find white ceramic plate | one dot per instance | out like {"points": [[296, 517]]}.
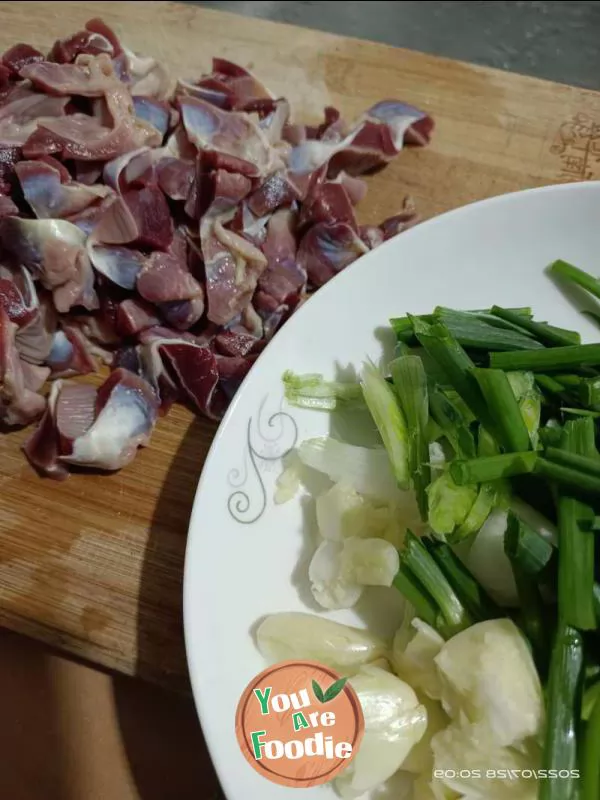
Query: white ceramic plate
{"points": [[246, 557]]}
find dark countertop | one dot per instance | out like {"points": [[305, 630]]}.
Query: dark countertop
{"points": [[554, 40]]}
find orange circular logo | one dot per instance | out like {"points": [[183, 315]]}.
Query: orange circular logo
{"points": [[299, 723]]}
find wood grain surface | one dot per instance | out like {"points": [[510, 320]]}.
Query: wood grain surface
{"points": [[94, 565]]}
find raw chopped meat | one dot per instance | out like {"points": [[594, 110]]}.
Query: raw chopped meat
{"points": [[20, 403], [229, 132], [164, 231], [18, 56], [95, 39], [124, 416], [49, 196], [94, 428], [54, 252], [327, 248], [121, 265], [70, 353]]}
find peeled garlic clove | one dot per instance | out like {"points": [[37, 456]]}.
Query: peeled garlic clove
{"points": [[489, 678], [462, 756], [413, 657], [294, 635], [394, 722], [420, 759], [333, 508], [369, 562], [330, 588]]}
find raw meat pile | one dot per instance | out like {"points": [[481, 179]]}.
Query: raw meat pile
{"points": [[166, 232]]}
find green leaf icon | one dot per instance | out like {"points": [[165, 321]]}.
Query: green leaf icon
{"points": [[318, 692], [334, 690]]}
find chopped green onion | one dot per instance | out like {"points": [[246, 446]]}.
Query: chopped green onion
{"points": [[313, 391], [572, 274], [456, 364], [403, 326], [452, 422], [417, 596], [385, 409], [410, 382], [525, 547], [421, 564], [576, 546], [580, 412], [485, 502], [548, 359], [473, 333], [449, 504], [511, 430], [549, 384], [532, 615], [472, 595], [492, 468], [582, 463], [544, 333], [589, 393], [590, 757], [590, 697], [597, 602], [529, 399], [580, 483], [563, 713]]}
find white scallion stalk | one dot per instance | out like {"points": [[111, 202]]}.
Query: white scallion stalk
{"points": [[366, 469], [387, 414]]}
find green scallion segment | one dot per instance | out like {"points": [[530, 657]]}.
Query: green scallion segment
{"points": [[532, 615], [493, 468], [456, 364], [415, 558], [526, 547], [549, 359], [576, 545], [544, 333], [485, 502], [511, 430], [580, 483], [590, 466], [563, 714], [473, 333], [562, 269], [410, 382], [416, 594], [477, 602], [403, 326], [452, 422]]}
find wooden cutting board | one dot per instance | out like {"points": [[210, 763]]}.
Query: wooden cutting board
{"points": [[94, 565]]}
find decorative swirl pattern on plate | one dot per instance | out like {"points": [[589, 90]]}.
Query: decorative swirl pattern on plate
{"points": [[267, 440]]}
